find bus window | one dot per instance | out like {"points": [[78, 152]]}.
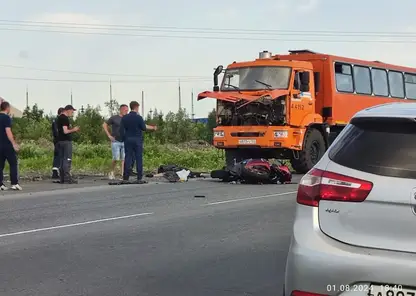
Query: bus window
{"points": [[343, 77], [410, 85], [380, 82], [396, 84], [362, 80]]}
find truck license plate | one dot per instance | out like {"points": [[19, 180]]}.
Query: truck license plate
{"points": [[377, 290], [246, 142]]}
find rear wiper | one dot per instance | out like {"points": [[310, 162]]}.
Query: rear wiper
{"points": [[264, 83], [233, 86]]}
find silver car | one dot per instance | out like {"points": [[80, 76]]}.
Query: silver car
{"points": [[355, 224]]}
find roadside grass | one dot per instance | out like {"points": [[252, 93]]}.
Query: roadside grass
{"points": [[35, 157]]}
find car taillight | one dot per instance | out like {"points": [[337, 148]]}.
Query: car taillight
{"points": [[302, 293], [322, 185]]}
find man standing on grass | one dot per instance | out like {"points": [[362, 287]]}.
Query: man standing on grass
{"points": [[56, 161], [8, 148], [65, 144], [131, 131], [117, 145]]}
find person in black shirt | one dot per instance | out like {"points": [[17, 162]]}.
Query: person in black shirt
{"points": [[8, 148], [56, 161], [65, 144]]}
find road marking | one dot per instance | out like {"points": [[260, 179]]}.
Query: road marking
{"points": [[73, 225], [248, 198]]}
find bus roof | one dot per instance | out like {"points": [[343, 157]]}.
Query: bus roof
{"points": [[307, 55]]}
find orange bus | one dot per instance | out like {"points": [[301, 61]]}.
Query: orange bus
{"points": [[293, 106]]}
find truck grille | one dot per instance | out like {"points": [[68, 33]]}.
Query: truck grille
{"points": [[248, 134]]}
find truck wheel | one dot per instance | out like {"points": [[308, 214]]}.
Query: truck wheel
{"points": [[313, 149]]}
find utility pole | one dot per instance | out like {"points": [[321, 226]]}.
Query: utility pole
{"points": [[72, 99], [111, 94], [180, 98], [27, 97], [142, 102], [111, 98], [192, 105]]}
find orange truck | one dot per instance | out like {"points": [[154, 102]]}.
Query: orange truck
{"points": [[293, 106]]}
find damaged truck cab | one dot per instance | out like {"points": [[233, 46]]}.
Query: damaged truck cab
{"points": [[286, 106]]}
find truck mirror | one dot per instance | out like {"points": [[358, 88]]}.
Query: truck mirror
{"points": [[217, 72]]}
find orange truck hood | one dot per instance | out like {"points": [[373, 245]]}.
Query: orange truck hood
{"points": [[234, 96]]}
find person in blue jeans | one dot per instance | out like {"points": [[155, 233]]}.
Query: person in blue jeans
{"points": [[8, 148], [117, 145], [131, 131]]}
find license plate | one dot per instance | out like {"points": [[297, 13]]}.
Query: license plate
{"points": [[247, 142], [280, 134], [392, 290]]}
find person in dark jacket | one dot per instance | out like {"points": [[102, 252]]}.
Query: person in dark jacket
{"points": [[8, 148], [56, 161], [131, 130]]}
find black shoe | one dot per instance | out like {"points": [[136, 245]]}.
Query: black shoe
{"points": [[55, 175], [132, 173]]}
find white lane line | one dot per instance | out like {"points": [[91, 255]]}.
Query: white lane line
{"points": [[73, 225], [248, 198]]}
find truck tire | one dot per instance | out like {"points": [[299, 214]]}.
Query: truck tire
{"points": [[313, 149]]}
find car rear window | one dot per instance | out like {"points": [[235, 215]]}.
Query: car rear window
{"points": [[381, 146]]}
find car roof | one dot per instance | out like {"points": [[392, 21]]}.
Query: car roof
{"points": [[397, 110]]}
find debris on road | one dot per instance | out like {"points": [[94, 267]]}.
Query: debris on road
{"points": [[174, 173], [124, 182], [255, 171], [199, 196]]}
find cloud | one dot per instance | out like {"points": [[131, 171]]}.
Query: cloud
{"points": [[71, 22], [23, 54], [76, 18], [307, 5], [399, 53], [300, 6]]}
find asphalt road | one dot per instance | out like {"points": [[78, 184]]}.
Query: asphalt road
{"points": [[146, 240]]}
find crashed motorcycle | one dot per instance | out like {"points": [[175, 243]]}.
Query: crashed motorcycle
{"points": [[255, 171]]}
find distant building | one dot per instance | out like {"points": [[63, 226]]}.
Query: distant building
{"points": [[14, 112], [200, 120]]}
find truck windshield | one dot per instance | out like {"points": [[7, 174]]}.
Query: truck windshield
{"points": [[248, 78]]}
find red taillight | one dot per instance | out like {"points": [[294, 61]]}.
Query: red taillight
{"points": [[322, 185]]}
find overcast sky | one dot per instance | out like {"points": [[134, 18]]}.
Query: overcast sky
{"points": [[124, 50]]}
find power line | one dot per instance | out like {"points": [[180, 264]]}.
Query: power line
{"points": [[212, 37], [217, 31], [103, 74], [121, 26], [97, 81]]}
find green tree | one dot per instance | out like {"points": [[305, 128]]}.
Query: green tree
{"points": [[112, 106], [90, 123]]}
